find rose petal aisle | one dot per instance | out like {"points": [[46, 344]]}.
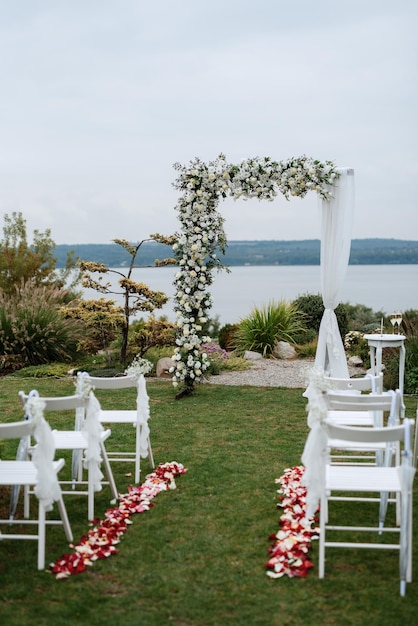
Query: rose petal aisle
{"points": [[289, 553], [100, 541]]}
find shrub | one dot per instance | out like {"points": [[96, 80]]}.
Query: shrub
{"points": [[235, 364], [264, 327], [313, 308], [307, 350], [308, 336], [221, 360], [49, 370], [153, 333], [32, 330], [362, 318], [102, 321], [226, 337], [356, 345], [411, 381], [410, 329]]}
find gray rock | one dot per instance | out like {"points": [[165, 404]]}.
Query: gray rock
{"points": [[355, 361], [283, 350], [252, 356], [163, 367]]}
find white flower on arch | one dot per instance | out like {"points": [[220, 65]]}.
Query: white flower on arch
{"points": [[203, 238]]}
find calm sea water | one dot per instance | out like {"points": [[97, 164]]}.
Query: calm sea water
{"points": [[381, 287]]}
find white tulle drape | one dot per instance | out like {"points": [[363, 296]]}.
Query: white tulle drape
{"points": [[91, 425], [143, 413], [93, 428], [314, 455], [337, 219], [47, 488]]}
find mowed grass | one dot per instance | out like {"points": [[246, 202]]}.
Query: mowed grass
{"points": [[197, 557]]}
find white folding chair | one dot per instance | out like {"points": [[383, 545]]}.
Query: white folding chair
{"points": [[89, 439], [137, 417], [366, 384], [365, 478], [39, 474], [372, 453], [352, 415], [343, 409]]}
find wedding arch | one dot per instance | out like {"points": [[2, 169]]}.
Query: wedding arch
{"points": [[202, 240]]}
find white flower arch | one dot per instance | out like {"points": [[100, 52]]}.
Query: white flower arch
{"points": [[203, 185]]}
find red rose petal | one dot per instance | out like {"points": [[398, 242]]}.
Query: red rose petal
{"points": [[291, 544], [100, 540]]}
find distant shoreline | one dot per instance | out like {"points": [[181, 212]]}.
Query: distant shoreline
{"points": [[252, 253]]}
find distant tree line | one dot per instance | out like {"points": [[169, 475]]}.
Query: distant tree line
{"points": [[305, 252]]}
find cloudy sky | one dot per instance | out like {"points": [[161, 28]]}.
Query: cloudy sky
{"points": [[99, 98]]}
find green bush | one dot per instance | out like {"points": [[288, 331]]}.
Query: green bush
{"points": [[362, 318], [410, 329], [49, 370], [144, 335], [307, 350], [32, 329], [313, 308], [411, 381], [226, 337], [264, 327]]}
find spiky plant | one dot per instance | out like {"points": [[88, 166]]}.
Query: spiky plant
{"points": [[265, 326]]}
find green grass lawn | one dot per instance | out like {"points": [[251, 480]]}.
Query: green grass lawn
{"points": [[197, 557]]}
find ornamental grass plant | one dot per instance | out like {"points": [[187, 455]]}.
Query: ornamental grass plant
{"points": [[198, 556], [265, 326], [32, 330]]}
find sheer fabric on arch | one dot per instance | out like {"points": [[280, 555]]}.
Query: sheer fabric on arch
{"points": [[337, 219]]}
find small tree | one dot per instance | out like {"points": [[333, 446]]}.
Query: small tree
{"points": [[21, 261], [136, 296]]}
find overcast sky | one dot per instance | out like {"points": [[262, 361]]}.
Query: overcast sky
{"points": [[99, 98]]}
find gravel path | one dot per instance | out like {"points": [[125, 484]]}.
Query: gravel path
{"points": [[272, 373]]}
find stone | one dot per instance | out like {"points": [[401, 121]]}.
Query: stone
{"points": [[163, 367], [283, 350], [355, 361], [252, 356]]}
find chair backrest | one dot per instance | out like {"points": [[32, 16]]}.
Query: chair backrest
{"points": [[386, 401], [116, 382], [16, 430], [400, 432], [370, 382], [59, 403]]}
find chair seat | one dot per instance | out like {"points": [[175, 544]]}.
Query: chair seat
{"points": [[74, 439], [22, 472], [357, 478], [118, 417]]}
